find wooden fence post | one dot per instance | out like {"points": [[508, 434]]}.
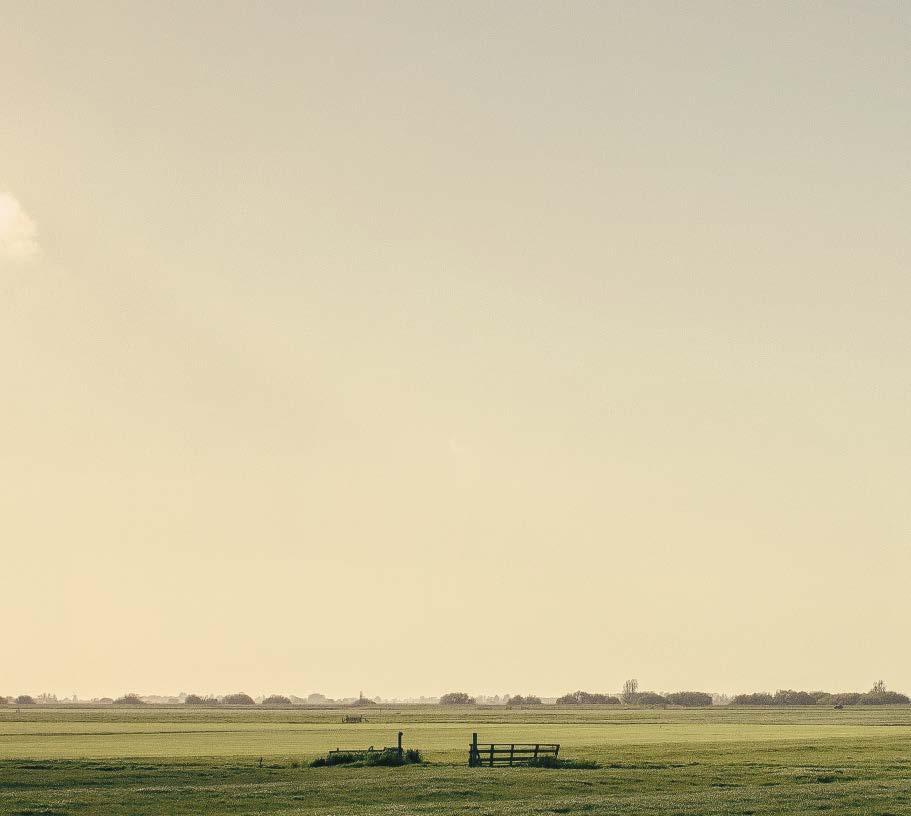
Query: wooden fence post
{"points": [[400, 748], [473, 758]]}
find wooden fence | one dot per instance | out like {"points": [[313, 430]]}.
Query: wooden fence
{"points": [[493, 754]]}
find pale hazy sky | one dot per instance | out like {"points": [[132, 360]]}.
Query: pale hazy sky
{"points": [[412, 347]]}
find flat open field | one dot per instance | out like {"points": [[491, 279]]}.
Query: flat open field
{"points": [[705, 761]]}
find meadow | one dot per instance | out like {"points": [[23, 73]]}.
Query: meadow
{"points": [[162, 760]]}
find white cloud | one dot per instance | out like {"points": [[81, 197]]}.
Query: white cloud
{"points": [[18, 232]]}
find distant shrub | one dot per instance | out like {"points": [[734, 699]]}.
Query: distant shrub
{"points": [[342, 759], [587, 698], [650, 698], [276, 699], [456, 698], [25, 699], [195, 699], [238, 698], [758, 698], [391, 757], [789, 697], [690, 698], [519, 700], [388, 757], [364, 701], [129, 699], [883, 698]]}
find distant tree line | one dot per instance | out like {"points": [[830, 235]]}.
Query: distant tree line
{"points": [[238, 698], [587, 698], [693, 699], [242, 698], [878, 695], [630, 695], [641, 698]]}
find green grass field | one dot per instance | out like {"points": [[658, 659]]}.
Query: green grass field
{"points": [[681, 762]]}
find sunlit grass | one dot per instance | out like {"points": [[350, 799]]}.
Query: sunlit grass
{"points": [[254, 762]]}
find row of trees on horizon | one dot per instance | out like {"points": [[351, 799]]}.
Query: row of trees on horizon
{"points": [[239, 698], [630, 695]]}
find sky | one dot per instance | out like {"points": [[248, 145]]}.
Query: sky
{"points": [[415, 347]]}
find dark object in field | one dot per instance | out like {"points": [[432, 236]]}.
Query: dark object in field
{"points": [[493, 754], [557, 762], [838, 706], [354, 718], [370, 756]]}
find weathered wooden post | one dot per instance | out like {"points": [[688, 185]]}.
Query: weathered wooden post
{"points": [[473, 758], [401, 756]]}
